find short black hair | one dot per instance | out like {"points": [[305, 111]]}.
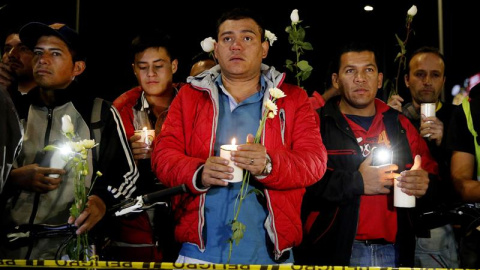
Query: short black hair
{"points": [[239, 14], [355, 46], [427, 49], [153, 38]]}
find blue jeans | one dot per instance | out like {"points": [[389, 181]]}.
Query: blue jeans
{"points": [[377, 255], [438, 251]]}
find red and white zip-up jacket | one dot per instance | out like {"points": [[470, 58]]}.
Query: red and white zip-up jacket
{"points": [[292, 140]]}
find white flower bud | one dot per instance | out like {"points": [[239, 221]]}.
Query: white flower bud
{"points": [[276, 93], [271, 115], [294, 16], [67, 126], [271, 37], [208, 44], [412, 11], [271, 106], [88, 144]]}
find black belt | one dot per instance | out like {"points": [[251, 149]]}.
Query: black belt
{"points": [[373, 242]]}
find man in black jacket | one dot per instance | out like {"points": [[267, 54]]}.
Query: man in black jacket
{"points": [[425, 77], [349, 217]]}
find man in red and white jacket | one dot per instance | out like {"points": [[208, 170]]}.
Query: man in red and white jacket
{"points": [[289, 157]]}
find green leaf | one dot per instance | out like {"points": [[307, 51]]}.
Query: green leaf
{"points": [[307, 46], [290, 40], [79, 167], [238, 230], [305, 75], [399, 41], [301, 33], [257, 192], [74, 211], [288, 29], [50, 148], [398, 57], [304, 66]]}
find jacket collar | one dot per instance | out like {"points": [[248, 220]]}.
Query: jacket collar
{"points": [[72, 93], [206, 80]]}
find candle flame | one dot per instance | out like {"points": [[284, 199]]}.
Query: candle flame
{"points": [[144, 128], [234, 141]]}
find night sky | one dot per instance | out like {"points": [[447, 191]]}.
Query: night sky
{"points": [[332, 23]]}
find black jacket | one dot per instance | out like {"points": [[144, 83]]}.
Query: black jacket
{"points": [[334, 201]]}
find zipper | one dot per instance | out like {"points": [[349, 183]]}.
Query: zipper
{"points": [[36, 200], [49, 126]]}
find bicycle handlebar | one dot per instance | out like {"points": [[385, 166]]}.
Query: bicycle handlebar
{"points": [[157, 195], [146, 201]]}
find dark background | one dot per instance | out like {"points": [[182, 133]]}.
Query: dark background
{"points": [[109, 26]]}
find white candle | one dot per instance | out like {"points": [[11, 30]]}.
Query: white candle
{"points": [[225, 152], [400, 198]]}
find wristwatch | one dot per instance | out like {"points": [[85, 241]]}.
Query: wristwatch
{"points": [[268, 166]]}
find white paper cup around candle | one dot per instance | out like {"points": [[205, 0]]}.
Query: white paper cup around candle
{"points": [[225, 151], [427, 110], [400, 198], [147, 136]]}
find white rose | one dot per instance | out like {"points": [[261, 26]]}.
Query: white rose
{"points": [[271, 37], [294, 16], [412, 11], [272, 107], [276, 93], [208, 44], [67, 126], [88, 144]]}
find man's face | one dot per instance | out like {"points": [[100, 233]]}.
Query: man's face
{"points": [[240, 48], [358, 80], [426, 78], [53, 67], [18, 56], [154, 70]]}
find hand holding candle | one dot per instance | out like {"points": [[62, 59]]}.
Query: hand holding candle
{"points": [[225, 152], [400, 198], [416, 176]]}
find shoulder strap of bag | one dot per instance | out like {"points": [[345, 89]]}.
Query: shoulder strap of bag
{"points": [[97, 125], [469, 116]]}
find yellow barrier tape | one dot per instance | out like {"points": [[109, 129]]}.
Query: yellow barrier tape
{"points": [[168, 265]]}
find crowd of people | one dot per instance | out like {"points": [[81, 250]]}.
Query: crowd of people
{"points": [[313, 195]]}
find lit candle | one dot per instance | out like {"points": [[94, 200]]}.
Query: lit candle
{"points": [[146, 135], [225, 152]]}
